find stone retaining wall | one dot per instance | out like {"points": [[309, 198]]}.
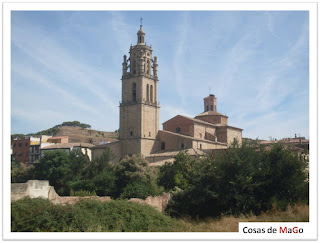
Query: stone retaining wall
{"points": [[34, 188]]}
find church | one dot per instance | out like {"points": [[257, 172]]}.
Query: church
{"points": [[139, 117]]}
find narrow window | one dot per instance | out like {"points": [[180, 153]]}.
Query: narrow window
{"points": [[14, 145], [134, 67], [207, 108], [211, 107], [200, 135], [140, 39], [131, 133], [200, 146], [134, 92], [182, 145], [151, 93], [147, 92], [149, 134]]}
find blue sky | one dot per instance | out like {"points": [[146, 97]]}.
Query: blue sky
{"points": [[67, 66]]}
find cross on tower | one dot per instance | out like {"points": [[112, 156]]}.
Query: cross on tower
{"points": [[141, 20]]}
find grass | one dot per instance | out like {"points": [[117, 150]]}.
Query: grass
{"points": [[297, 213], [30, 215]]}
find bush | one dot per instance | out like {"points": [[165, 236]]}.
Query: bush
{"points": [[135, 179], [34, 215], [39, 215], [236, 181], [82, 193], [137, 189]]}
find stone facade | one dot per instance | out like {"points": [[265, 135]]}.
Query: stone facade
{"points": [[139, 109], [139, 116]]}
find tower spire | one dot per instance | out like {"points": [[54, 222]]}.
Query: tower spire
{"points": [[141, 34]]}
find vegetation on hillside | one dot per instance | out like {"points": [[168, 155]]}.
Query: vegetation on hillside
{"points": [[54, 130]]}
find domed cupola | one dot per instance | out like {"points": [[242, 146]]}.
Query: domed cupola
{"points": [[141, 36]]}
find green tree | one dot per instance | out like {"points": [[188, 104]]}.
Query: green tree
{"points": [[54, 167], [135, 178], [237, 181]]}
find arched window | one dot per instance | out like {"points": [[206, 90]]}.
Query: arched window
{"points": [[211, 107], [178, 129], [151, 93], [140, 38], [207, 108], [147, 92], [134, 92], [182, 145], [200, 146]]}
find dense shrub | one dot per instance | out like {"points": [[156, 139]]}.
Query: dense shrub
{"points": [[35, 215], [136, 179], [29, 215], [20, 172], [75, 173], [236, 181], [54, 167]]}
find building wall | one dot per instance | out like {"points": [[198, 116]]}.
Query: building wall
{"points": [[88, 152], [20, 150], [34, 153], [173, 142], [222, 134], [224, 120], [130, 121], [206, 146], [115, 149], [214, 119], [32, 188], [130, 147], [204, 131], [185, 125], [233, 134], [150, 121], [149, 146], [64, 139]]}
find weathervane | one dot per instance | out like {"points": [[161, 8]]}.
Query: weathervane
{"points": [[141, 21]]}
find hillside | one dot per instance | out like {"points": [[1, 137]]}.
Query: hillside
{"points": [[83, 135]]}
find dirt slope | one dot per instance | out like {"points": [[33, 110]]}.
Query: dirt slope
{"points": [[81, 135]]}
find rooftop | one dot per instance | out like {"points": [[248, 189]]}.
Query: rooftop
{"points": [[68, 146]]}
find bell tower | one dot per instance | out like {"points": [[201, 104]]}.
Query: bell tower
{"points": [[139, 106]]}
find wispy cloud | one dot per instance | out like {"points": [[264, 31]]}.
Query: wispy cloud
{"points": [[44, 50], [256, 63], [179, 55]]}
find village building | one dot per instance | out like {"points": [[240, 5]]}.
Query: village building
{"points": [[139, 116], [68, 147]]}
